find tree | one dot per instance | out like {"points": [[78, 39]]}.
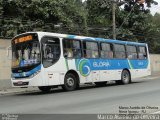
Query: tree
{"points": [[134, 17], [133, 21], [43, 15], [99, 17], [156, 19], [1, 15], [153, 34]]}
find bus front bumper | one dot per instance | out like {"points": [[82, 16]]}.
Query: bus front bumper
{"points": [[26, 82]]}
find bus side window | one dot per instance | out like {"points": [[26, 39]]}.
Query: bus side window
{"points": [[90, 49], [119, 51], [69, 52], [106, 50], [67, 48], [131, 52], [72, 48], [142, 52], [87, 53]]}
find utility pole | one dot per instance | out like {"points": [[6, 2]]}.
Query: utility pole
{"points": [[114, 19]]}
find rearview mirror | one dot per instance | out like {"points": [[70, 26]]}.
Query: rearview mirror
{"points": [[9, 53]]}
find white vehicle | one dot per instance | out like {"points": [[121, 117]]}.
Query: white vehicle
{"points": [[47, 60]]}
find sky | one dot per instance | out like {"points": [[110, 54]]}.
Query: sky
{"points": [[154, 8]]}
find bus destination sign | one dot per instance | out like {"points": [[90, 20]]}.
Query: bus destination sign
{"points": [[23, 39]]}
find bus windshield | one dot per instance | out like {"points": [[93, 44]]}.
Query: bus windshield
{"points": [[25, 51]]}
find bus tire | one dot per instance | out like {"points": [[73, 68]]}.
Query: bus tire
{"points": [[101, 83], [70, 82], [125, 78], [45, 89]]}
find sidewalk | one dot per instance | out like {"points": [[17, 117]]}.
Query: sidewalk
{"points": [[10, 90], [155, 74], [18, 90]]}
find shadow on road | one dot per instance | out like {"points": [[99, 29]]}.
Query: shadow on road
{"points": [[83, 87]]}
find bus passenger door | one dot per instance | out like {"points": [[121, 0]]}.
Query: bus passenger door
{"points": [[51, 59]]}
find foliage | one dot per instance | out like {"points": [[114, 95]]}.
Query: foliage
{"points": [[99, 17], [92, 18], [133, 21], [30, 15], [153, 33]]}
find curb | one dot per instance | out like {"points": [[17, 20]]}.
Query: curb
{"points": [[17, 91]]}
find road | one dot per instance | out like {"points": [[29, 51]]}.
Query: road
{"points": [[143, 92]]}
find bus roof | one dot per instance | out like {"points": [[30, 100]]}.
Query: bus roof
{"points": [[69, 36]]}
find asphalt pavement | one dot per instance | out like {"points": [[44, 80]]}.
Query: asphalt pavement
{"points": [[141, 96]]}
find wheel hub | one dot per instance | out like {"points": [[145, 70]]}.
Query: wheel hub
{"points": [[125, 78], [70, 82]]}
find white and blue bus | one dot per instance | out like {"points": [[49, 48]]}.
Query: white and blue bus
{"points": [[47, 60]]}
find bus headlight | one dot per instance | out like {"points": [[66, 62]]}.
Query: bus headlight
{"points": [[24, 76]]}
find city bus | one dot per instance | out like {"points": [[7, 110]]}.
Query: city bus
{"points": [[49, 60]]}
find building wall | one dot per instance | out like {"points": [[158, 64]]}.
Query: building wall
{"points": [[155, 62], [5, 63]]}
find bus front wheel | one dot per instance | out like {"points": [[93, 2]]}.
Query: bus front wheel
{"points": [[70, 82], [45, 88]]}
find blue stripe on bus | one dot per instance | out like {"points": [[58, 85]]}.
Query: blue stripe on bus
{"points": [[71, 36], [85, 66], [102, 64], [26, 74]]}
